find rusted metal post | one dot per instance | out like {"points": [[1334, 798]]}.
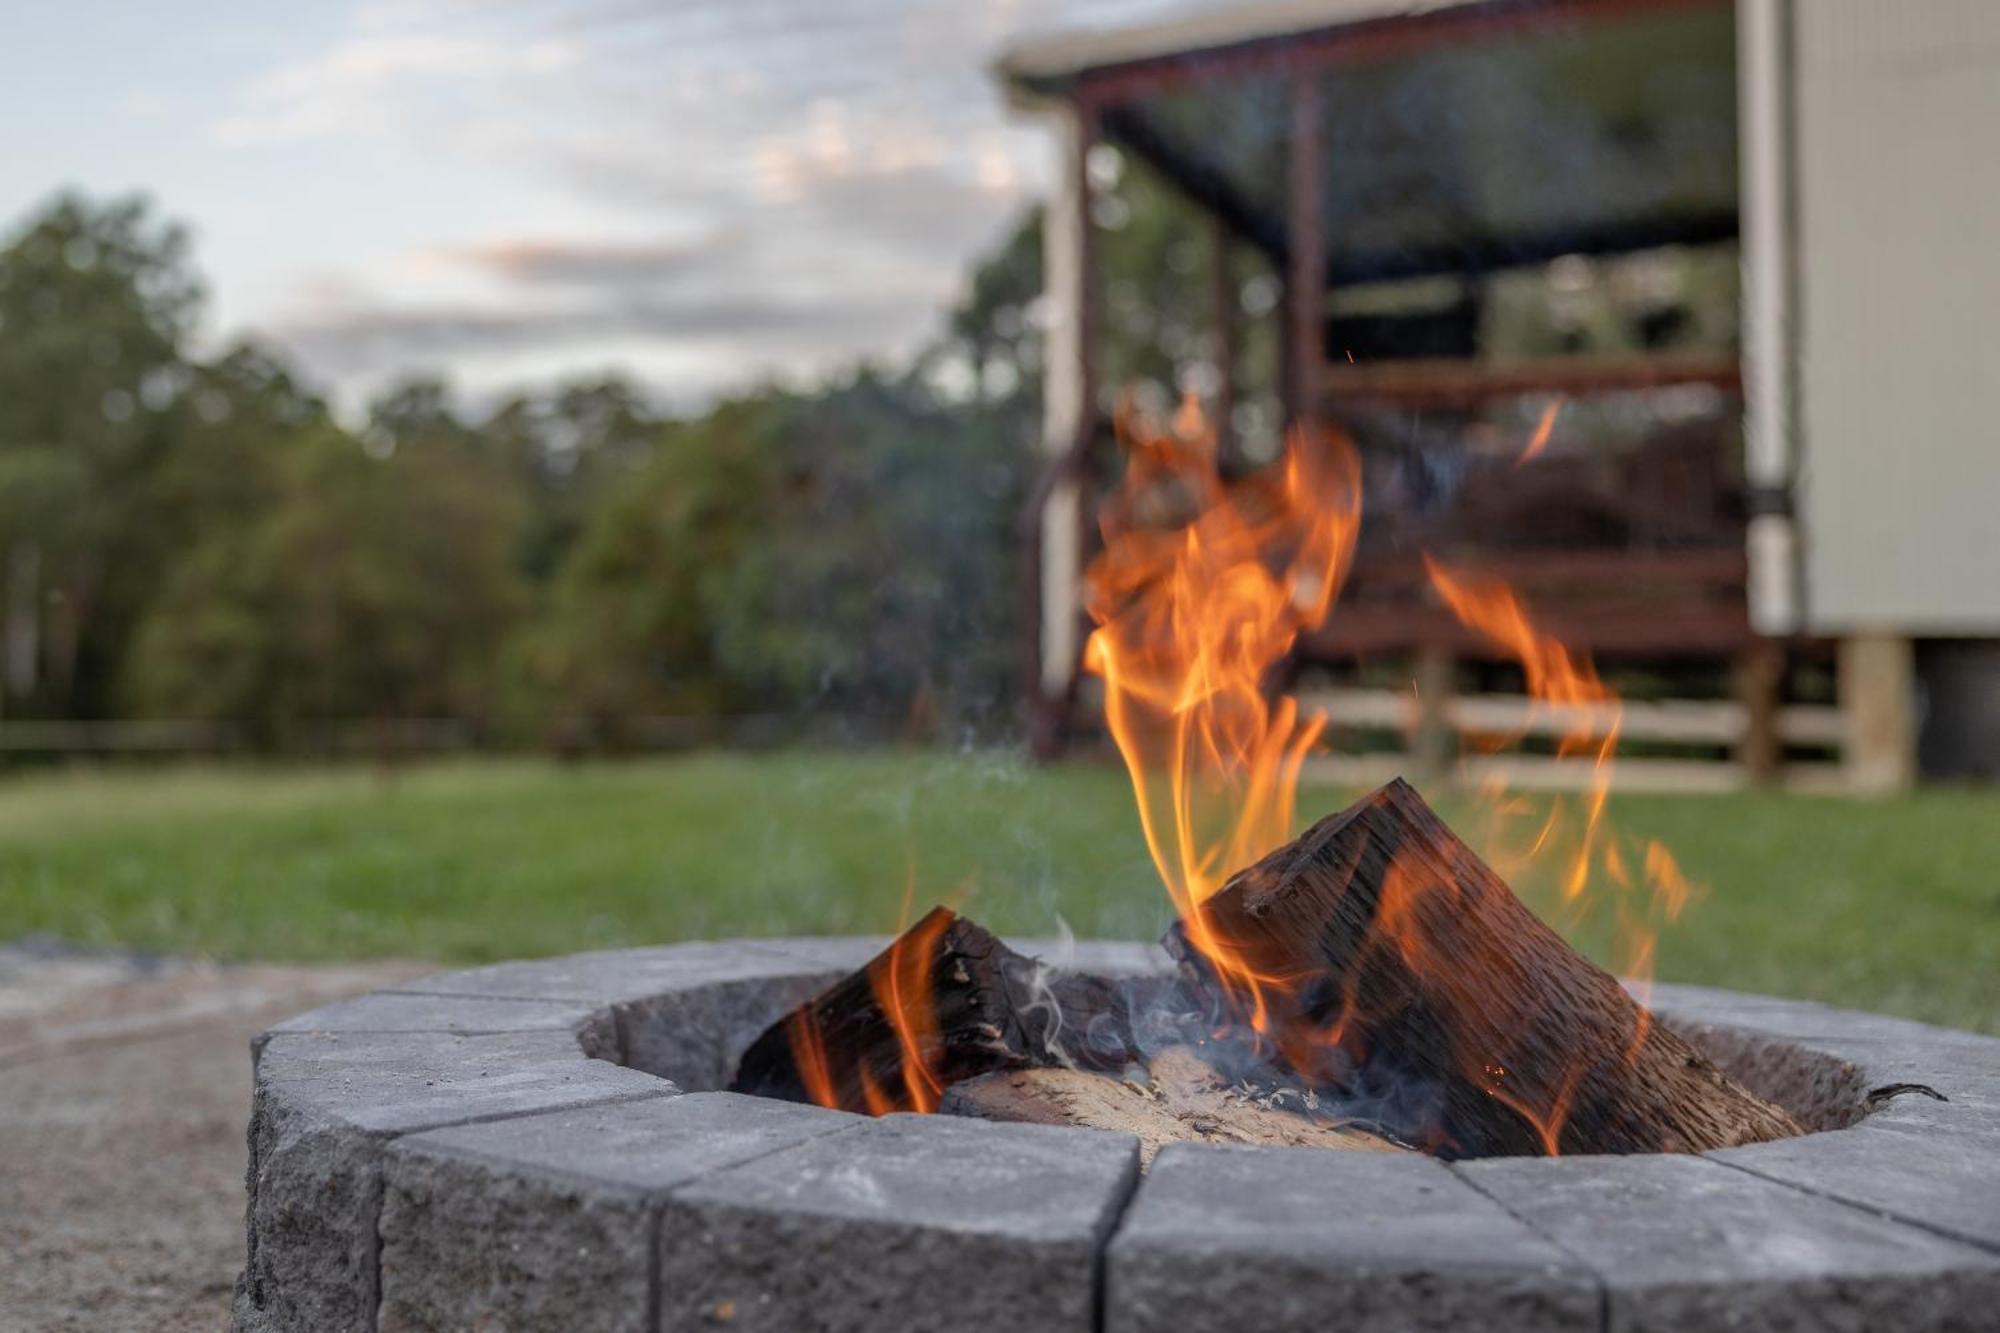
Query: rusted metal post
{"points": [[1305, 278]]}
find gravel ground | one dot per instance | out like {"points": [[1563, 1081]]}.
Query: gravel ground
{"points": [[124, 1092]]}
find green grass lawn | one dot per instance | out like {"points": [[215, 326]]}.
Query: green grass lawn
{"points": [[1891, 905]]}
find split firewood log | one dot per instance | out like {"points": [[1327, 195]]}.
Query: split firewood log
{"points": [[1392, 966], [945, 1002], [1179, 1100]]}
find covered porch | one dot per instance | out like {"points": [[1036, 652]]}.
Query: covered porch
{"points": [[1506, 238]]}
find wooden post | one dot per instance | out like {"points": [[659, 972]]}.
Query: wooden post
{"points": [[1068, 413], [1760, 675], [1769, 246], [1305, 278], [1878, 707], [1434, 743], [1222, 327]]}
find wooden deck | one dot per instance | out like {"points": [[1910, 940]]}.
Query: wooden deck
{"points": [[1607, 603], [1465, 384]]}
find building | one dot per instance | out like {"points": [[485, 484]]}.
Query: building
{"points": [[1819, 480]]}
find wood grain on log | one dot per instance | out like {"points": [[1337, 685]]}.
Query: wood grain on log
{"points": [[1400, 967], [1181, 1100]]}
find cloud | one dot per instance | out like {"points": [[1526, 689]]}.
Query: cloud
{"points": [[386, 333], [368, 80], [719, 342], [585, 262], [742, 184], [842, 191]]}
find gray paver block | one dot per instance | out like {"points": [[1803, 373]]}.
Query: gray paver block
{"points": [[314, 1191], [684, 1012], [464, 1015], [1948, 1179], [1875, 1035], [1243, 1238], [546, 1221], [835, 953], [1681, 1242], [393, 1083], [1105, 957], [1888, 1049], [324, 1105], [610, 976], [696, 1036], [907, 1222], [1709, 1005], [1971, 1107], [1946, 1061], [1939, 1062], [1821, 1089]]}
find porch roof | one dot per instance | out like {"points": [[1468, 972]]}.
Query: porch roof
{"points": [[1457, 137]]}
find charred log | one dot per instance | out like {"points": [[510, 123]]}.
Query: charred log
{"points": [[945, 1002], [1394, 968]]}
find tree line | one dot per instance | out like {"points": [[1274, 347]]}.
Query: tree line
{"points": [[201, 537]]}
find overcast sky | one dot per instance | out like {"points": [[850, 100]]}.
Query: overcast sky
{"points": [[701, 192]]}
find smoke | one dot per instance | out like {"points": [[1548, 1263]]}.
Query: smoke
{"points": [[1149, 1014]]}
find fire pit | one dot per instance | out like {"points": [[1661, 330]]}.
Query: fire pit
{"points": [[540, 1145]]}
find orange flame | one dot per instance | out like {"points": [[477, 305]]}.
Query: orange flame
{"points": [[1556, 677], [899, 979], [809, 1057], [1543, 429], [1567, 683], [1202, 589], [901, 982]]}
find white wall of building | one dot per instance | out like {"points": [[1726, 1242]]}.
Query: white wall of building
{"points": [[1896, 321]]}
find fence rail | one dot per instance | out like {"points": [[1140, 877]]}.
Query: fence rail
{"points": [[66, 738], [1676, 721], [1468, 720]]}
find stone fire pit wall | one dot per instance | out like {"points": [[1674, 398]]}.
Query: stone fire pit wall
{"points": [[530, 1146]]}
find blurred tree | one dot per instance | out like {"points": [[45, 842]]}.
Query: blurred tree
{"points": [[996, 327], [884, 586], [1156, 302], [1155, 254], [95, 305], [847, 552], [205, 535], [628, 633], [570, 448], [235, 423], [242, 421], [366, 586]]}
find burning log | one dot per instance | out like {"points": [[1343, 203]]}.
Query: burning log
{"points": [[945, 1002], [1182, 1100], [1381, 957]]}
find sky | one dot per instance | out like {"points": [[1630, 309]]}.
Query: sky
{"points": [[700, 193]]}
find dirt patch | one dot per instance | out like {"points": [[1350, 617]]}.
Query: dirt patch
{"points": [[124, 1091]]}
